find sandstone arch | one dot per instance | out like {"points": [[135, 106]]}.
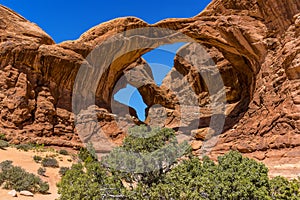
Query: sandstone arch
{"points": [[259, 59]]}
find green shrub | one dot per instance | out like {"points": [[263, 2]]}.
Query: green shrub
{"points": [[91, 181], [87, 154], [12, 177], [234, 177], [63, 152], [3, 137], [43, 187], [281, 188], [3, 144], [24, 147], [41, 171], [50, 162], [5, 164], [37, 159], [63, 170], [39, 147]]}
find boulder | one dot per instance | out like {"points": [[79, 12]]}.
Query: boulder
{"points": [[26, 193], [13, 193]]}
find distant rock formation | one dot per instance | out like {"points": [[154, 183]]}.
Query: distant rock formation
{"points": [[254, 44]]}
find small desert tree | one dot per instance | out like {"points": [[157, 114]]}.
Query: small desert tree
{"points": [[145, 154]]}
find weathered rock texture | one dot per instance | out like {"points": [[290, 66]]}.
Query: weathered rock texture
{"points": [[254, 44]]}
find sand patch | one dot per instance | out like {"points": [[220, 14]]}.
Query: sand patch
{"points": [[25, 160]]}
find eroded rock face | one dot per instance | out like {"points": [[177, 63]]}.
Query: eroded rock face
{"points": [[270, 127], [253, 44], [29, 111]]}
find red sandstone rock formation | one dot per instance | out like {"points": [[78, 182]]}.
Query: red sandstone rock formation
{"points": [[254, 45]]}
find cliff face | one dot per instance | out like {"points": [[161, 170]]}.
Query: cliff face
{"points": [[254, 45]]}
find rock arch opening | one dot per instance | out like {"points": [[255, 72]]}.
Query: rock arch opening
{"points": [[132, 98], [160, 62], [157, 93]]}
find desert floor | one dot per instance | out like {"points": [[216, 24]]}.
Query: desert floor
{"points": [[25, 160]]}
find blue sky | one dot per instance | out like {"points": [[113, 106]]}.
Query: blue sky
{"points": [[67, 20]]}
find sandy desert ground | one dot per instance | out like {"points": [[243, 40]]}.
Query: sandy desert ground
{"points": [[25, 160]]}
